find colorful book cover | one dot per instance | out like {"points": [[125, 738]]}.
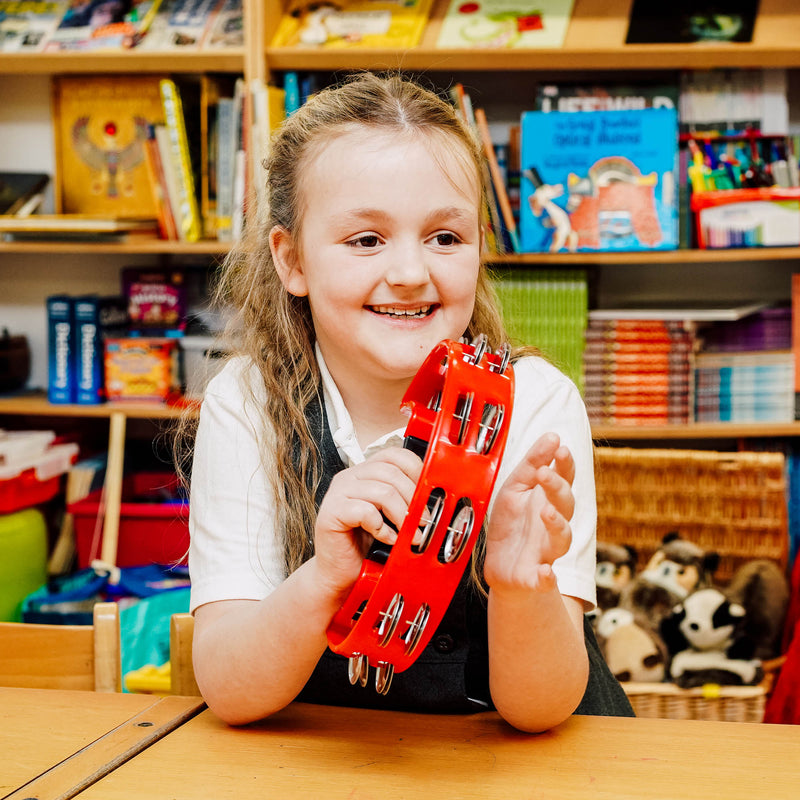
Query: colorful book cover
{"points": [[155, 300], [605, 97], [60, 347], [353, 24], [100, 132], [179, 25], [599, 181], [505, 23], [26, 25], [91, 25]]}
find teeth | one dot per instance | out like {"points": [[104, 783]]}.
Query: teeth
{"points": [[402, 312]]}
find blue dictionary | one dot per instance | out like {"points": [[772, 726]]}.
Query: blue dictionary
{"points": [[60, 344], [94, 318], [599, 181]]}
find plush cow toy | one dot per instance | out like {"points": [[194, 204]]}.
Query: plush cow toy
{"points": [[704, 639]]}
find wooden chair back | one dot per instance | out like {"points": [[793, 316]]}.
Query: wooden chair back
{"points": [[181, 633], [63, 656]]}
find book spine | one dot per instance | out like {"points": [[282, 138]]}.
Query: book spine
{"points": [[158, 180], [176, 126], [226, 151], [170, 177], [88, 354], [795, 291], [60, 344]]}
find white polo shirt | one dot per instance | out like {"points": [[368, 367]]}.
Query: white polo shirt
{"points": [[235, 553]]}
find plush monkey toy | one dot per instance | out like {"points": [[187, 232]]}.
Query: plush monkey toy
{"points": [[616, 566], [676, 569]]}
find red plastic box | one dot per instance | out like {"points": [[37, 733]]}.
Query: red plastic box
{"points": [[153, 526], [31, 468]]}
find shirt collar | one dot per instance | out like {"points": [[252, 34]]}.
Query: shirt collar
{"points": [[341, 424]]}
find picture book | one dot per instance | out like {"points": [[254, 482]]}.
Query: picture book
{"points": [[179, 25], [353, 24], [604, 180], [26, 25], [692, 21], [227, 26], [90, 24], [605, 97], [505, 23], [156, 299], [100, 135]]}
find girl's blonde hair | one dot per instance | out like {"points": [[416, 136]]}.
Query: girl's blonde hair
{"points": [[273, 328]]}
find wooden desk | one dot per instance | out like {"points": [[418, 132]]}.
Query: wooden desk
{"points": [[317, 752], [53, 743]]}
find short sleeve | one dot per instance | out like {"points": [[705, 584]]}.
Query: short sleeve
{"points": [[234, 551]]}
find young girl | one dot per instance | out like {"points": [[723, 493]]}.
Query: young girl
{"points": [[368, 256]]}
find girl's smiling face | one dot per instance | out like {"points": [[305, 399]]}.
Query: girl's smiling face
{"points": [[389, 250]]}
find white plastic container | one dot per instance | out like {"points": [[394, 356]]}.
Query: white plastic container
{"points": [[202, 359]]}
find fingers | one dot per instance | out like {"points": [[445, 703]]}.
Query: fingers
{"points": [[373, 494]]}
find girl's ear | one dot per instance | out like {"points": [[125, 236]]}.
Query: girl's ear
{"points": [[287, 262]]}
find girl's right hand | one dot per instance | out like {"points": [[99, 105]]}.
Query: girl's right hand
{"points": [[352, 513]]}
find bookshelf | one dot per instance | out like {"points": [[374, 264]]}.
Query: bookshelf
{"points": [[595, 40], [594, 44]]}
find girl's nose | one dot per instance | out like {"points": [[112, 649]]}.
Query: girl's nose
{"points": [[407, 267]]}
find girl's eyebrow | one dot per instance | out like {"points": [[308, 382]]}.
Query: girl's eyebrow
{"points": [[457, 213]]}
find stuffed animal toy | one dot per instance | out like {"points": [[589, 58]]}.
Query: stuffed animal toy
{"points": [[616, 565], [761, 588], [676, 569], [703, 635], [632, 652]]}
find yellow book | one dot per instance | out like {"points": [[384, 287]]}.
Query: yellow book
{"points": [[389, 24], [189, 225], [100, 135]]}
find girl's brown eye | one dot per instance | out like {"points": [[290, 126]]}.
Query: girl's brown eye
{"points": [[446, 239], [365, 241]]}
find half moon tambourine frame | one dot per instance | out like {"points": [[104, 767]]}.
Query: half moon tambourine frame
{"points": [[460, 404]]}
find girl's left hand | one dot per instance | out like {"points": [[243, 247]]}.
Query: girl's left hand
{"points": [[529, 525]]}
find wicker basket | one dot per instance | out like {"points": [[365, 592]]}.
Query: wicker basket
{"points": [[731, 503], [725, 703]]}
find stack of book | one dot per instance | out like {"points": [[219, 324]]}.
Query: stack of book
{"points": [[638, 371], [745, 370], [547, 309]]}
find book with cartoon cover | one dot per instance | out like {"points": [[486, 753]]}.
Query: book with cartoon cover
{"points": [[599, 180], [505, 23], [353, 24]]}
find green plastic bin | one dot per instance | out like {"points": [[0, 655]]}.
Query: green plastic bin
{"points": [[23, 559]]}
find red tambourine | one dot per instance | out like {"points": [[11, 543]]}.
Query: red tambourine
{"points": [[460, 402]]}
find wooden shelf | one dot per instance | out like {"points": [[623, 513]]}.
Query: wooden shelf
{"points": [[595, 40], [36, 405], [644, 258], [139, 246], [114, 61], [695, 431]]}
